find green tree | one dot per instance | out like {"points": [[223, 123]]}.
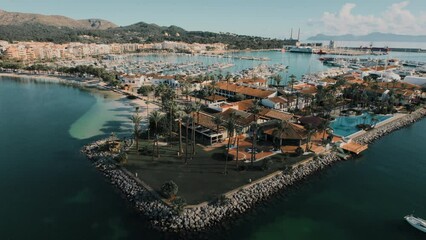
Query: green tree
{"points": [[155, 117], [230, 128], [188, 118], [145, 90], [255, 110], [196, 107], [136, 120], [292, 81]]}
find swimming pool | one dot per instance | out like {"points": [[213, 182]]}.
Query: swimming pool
{"points": [[345, 126]]}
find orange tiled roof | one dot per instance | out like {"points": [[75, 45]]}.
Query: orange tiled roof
{"points": [[249, 91], [205, 120], [215, 98], [273, 114], [292, 131], [277, 100], [244, 105], [242, 118], [252, 80]]}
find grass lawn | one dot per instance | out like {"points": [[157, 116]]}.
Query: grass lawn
{"points": [[202, 179]]}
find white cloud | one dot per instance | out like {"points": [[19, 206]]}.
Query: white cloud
{"points": [[395, 19]]}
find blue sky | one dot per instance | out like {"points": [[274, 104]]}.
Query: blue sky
{"points": [[270, 18]]}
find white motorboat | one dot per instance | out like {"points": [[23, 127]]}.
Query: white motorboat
{"points": [[416, 222], [301, 50]]}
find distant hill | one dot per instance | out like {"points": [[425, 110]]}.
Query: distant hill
{"points": [[16, 19], [372, 37], [60, 29]]}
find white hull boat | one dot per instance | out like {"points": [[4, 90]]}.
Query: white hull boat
{"points": [[416, 222]]}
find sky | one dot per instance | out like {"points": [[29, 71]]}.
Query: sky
{"points": [[267, 18]]}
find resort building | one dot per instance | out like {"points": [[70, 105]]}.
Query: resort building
{"points": [[293, 135], [206, 131], [256, 82], [164, 79], [269, 114], [133, 80], [278, 103], [232, 89]]}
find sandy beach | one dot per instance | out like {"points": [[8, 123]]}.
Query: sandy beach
{"points": [[87, 84]]}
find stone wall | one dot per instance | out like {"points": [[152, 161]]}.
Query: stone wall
{"points": [[165, 218]]}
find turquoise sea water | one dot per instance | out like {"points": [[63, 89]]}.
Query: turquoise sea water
{"points": [[48, 189], [345, 126], [299, 64], [363, 198]]}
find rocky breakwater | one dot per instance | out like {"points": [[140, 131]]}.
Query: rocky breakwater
{"points": [[238, 202], [391, 126], [166, 217]]}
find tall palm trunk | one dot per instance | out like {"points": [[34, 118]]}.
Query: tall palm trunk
{"points": [[186, 141], [238, 152], [253, 145], [171, 126], [153, 148], [180, 137], [193, 137], [156, 139], [227, 152]]}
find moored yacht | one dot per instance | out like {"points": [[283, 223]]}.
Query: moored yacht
{"points": [[300, 50], [416, 222]]}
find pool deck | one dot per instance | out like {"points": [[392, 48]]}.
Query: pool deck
{"points": [[396, 116]]}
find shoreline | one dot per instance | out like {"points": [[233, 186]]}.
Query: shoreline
{"points": [[83, 84], [198, 218]]}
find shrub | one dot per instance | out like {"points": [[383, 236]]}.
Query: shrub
{"points": [[266, 164], [222, 200], [121, 158], [145, 150], [299, 151], [169, 189], [178, 204]]}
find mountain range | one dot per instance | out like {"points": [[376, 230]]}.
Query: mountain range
{"points": [[372, 37], [14, 19], [59, 29]]}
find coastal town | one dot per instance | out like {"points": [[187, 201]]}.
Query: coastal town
{"points": [[211, 131]]}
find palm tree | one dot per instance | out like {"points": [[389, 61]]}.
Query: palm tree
{"points": [[180, 115], [173, 108], [188, 111], [297, 100], [324, 128], [277, 79], [230, 128], [279, 131], [159, 90], [147, 114], [292, 81], [196, 107], [217, 120], [156, 117], [255, 110], [311, 130], [239, 131], [185, 92], [136, 119]]}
